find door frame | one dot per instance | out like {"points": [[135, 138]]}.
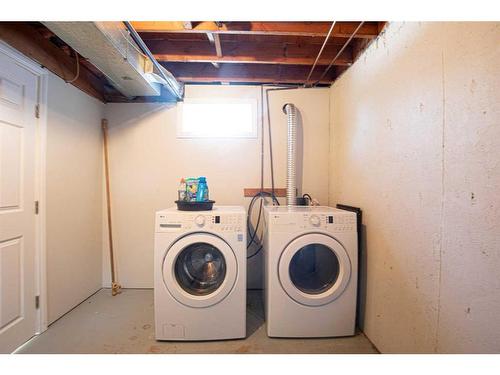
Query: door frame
{"points": [[42, 75]]}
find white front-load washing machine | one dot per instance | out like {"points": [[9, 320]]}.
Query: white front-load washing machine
{"points": [[200, 274], [310, 272]]}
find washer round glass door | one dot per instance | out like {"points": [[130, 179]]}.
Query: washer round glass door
{"points": [[199, 270], [314, 269]]}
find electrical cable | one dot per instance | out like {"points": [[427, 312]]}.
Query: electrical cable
{"points": [[338, 54], [250, 210], [261, 138], [77, 69], [253, 235], [319, 53], [254, 254], [261, 195], [270, 142]]}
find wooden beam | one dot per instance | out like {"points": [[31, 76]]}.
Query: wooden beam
{"points": [[358, 46], [29, 42], [341, 29], [248, 53], [252, 192], [244, 73], [244, 38]]}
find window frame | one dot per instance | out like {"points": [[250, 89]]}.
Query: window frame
{"points": [[183, 134]]}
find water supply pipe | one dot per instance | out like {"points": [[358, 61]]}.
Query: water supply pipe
{"points": [[291, 169]]}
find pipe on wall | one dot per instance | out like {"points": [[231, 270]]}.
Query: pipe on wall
{"points": [[291, 169]]}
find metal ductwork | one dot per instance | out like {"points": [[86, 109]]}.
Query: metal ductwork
{"points": [[291, 169], [111, 47]]}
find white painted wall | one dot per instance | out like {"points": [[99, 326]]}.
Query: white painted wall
{"points": [[74, 201], [415, 142], [147, 161]]}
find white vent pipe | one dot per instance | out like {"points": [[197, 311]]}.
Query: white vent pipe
{"points": [[291, 173]]}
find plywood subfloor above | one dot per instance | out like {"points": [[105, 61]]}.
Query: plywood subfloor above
{"points": [[257, 52]]}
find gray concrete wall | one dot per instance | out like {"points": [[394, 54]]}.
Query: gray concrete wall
{"points": [[415, 142]]}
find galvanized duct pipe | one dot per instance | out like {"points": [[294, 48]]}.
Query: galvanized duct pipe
{"points": [[174, 87], [291, 173]]}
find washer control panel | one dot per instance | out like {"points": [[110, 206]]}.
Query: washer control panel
{"points": [[216, 222], [333, 222]]}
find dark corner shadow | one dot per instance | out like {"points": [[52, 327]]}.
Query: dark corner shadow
{"points": [[136, 112], [362, 278], [255, 311]]}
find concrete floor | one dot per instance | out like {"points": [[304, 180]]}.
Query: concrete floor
{"points": [[125, 324]]}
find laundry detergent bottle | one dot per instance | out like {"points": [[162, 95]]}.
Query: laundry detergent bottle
{"points": [[202, 193]]}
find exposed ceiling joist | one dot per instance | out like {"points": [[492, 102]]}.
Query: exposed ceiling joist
{"points": [[244, 73], [249, 53], [342, 29], [244, 38]]}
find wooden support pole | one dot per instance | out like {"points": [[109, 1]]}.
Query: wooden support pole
{"points": [[115, 287]]}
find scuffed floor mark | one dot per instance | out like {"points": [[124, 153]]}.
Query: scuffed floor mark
{"points": [[146, 326], [243, 349], [154, 349]]}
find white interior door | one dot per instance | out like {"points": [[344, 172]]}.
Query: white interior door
{"points": [[18, 97]]}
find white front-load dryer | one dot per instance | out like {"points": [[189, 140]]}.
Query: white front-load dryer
{"points": [[200, 274], [310, 272]]}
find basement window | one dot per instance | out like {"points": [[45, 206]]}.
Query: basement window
{"points": [[217, 118]]}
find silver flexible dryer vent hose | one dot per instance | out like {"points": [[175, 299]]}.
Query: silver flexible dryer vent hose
{"points": [[291, 174]]}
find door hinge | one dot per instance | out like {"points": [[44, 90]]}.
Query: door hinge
{"points": [[37, 302], [37, 111], [37, 207]]}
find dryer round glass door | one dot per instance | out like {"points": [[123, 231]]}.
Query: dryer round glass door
{"points": [[314, 269], [199, 270]]}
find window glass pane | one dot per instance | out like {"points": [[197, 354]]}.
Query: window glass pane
{"points": [[218, 118], [200, 269], [314, 269]]}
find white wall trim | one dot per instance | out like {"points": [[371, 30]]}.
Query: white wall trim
{"points": [[40, 173]]}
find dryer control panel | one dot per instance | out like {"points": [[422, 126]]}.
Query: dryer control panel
{"points": [[200, 220], [282, 220]]}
